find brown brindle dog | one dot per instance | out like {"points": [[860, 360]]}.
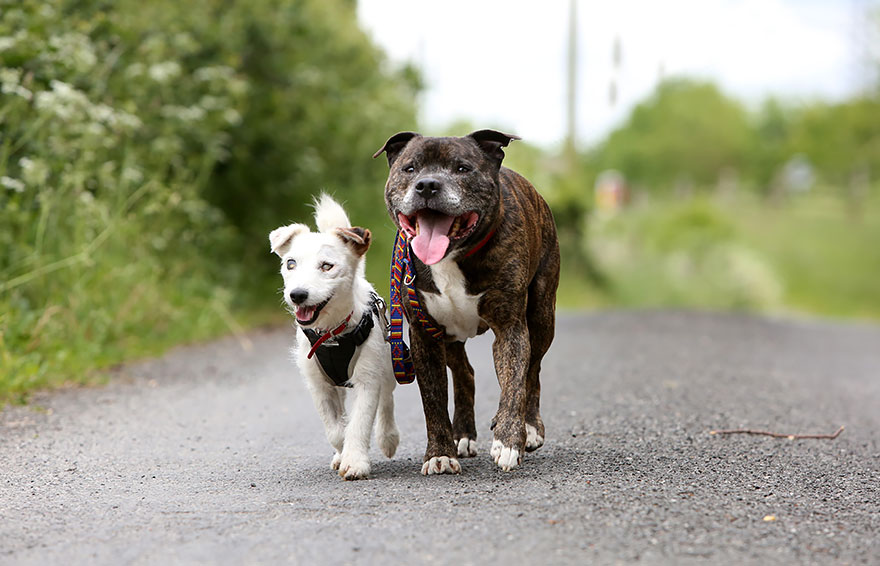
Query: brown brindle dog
{"points": [[485, 253]]}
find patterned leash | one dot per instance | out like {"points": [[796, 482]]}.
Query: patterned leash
{"points": [[402, 275]]}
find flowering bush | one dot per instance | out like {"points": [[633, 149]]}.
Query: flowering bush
{"points": [[131, 134]]}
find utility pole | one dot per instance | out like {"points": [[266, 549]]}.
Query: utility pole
{"points": [[571, 98]]}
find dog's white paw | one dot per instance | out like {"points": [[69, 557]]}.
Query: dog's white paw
{"points": [[533, 439], [334, 463], [506, 458], [441, 465], [388, 441], [467, 448], [354, 466]]}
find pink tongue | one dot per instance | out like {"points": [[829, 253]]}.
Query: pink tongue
{"points": [[305, 314], [431, 243]]}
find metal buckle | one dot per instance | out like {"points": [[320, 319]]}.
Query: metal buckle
{"points": [[380, 303]]}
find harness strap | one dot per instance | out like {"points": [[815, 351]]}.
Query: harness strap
{"points": [[334, 357], [329, 334]]}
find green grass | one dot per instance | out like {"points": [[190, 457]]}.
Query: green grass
{"points": [[814, 254]]}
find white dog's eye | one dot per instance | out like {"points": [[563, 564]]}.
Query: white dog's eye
{"points": [[326, 266], [291, 263]]}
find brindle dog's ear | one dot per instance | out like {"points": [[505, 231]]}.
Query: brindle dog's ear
{"points": [[491, 142], [358, 238], [395, 145]]}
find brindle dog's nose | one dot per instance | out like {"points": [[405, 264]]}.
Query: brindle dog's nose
{"points": [[428, 187]]}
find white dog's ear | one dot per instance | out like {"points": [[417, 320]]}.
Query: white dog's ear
{"points": [[281, 238], [357, 238]]}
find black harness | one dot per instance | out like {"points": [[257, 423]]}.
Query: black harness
{"points": [[334, 356]]}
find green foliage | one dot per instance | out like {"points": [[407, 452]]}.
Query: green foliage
{"points": [[841, 140], [682, 254], [685, 134], [143, 143]]}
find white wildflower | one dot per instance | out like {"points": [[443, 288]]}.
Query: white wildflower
{"points": [[165, 71], [212, 103], [9, 77], [34, 171], [7, 42], [74, 50], [132, 175], [213, 73], [135, 70], [232, 117], [183, 113], [12, 184]]}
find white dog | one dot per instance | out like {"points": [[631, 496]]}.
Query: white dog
{"points": [[341, 339]]}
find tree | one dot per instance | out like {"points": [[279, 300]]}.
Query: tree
{"points": [[686, 131]]}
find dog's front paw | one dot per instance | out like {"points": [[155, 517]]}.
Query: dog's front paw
{"points": [[334, 463], [467, 448], [505, 457], [534, 439], [354, 466], [441, 465]]}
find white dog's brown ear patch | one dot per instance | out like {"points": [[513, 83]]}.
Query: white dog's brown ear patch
{"points": [[358, 238], [281, 238]]}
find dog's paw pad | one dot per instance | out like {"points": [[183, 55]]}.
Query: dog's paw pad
{"points": [[533, 439], [506, 458], [467, 448], [354, 468], [441, 465], [334, 463]]}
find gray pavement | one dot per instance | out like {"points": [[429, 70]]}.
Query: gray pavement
{"points": [[213, 454]]}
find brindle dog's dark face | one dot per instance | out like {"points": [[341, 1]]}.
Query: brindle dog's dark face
{"points": [[443, 192]]}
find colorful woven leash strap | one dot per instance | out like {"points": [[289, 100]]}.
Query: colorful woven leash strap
{"points": [[402, 275]]}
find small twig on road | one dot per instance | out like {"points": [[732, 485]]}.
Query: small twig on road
{"points": [[777, 434]]}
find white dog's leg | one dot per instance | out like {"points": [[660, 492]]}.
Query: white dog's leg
{"points": [[330, 403], [355, 462], [387, 435]]}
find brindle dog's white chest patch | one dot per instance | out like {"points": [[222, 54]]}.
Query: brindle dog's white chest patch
{"points": [[453, 308]]}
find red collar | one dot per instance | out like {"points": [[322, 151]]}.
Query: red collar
{"points": [[482, 243], [330, 334]]}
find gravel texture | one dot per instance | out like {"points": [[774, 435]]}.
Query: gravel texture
{"points": [[214, 454]]}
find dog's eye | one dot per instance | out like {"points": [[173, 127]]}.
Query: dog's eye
{"points": [[409, 169], [464, 169], [291, 263], [326, 266]]}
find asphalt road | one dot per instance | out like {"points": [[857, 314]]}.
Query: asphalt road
{"points": [[214, 454]]}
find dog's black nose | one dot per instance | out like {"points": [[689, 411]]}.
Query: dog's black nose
{"points": [[299, 296], [428, 187]]}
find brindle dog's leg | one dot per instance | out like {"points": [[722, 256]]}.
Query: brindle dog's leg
{"points": [[511, 352], [429, 357], [541, 316], [464, 431]]}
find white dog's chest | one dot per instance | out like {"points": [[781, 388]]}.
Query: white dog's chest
{"points": [[453, 308]]}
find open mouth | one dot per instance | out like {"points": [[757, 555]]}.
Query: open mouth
{"points": [[430, 232], [306, 315]]}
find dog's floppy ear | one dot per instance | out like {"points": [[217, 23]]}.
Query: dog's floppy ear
{"points": [[395, 145], [358, 238], [491, 142], [281, 238]]}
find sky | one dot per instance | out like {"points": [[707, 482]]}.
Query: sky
{"points": [[502, 63]]}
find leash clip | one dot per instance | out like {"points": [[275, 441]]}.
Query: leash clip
{"points": [[383, 320]]}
